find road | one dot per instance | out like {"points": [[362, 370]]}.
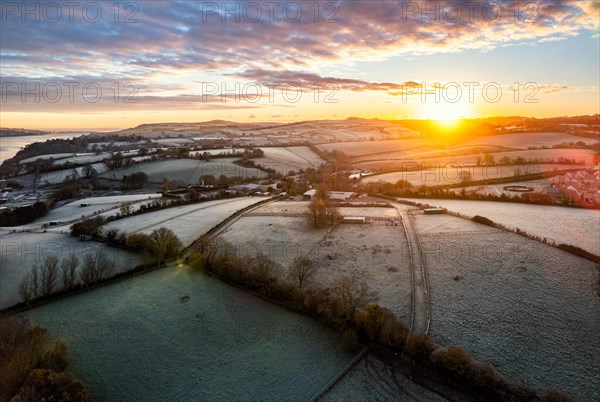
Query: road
{"points": [[420, 284]]}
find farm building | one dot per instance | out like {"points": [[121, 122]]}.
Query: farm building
{"points": [[333, 195], [310, 194], [354, 219], [340, 195], [433, 211]]}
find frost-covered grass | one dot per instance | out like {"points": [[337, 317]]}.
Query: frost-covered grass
{"points": [[188, 222], [216, 151], [289, 159], [173, 141], [83, 159], [372, 380], [298, 207], [528, 308], [137, 340], [51, 156], [74, 210], [451, 173], [186, 170], [279, 237], [526, 140], [361, 148], [58, 176], [575, 226], [538, 186], [20, 251], [376, 254]]}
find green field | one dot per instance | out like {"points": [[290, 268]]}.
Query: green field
{"points": [[137, 340]]}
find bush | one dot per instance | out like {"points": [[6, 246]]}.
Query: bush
{"points": [[483, 220], [32, 367], [88, 227], [453, 361], [349, 340], [420, 347]]}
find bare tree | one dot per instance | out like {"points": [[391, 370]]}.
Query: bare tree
{"points": [[265, 271], [49, 274], [321, 213], [104, 266], [302, 270], [95, 268], [351, 295], [26, 288], [166, 244], [212, 250], [87, 272], [35, 280], [68, 269]]}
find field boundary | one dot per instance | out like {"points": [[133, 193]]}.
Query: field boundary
{"points": [[340, 375]]}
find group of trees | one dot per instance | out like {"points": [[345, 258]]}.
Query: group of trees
{"points": [[23, 215], [160, 245], [135, 181], [52, 275], [33, 367], [321, 212]]}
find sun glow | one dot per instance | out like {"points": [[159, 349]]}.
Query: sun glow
{"points": [[446, 114]]}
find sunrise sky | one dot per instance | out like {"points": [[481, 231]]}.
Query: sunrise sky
{"points": [[388, 59]]}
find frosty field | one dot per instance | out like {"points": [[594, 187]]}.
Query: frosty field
{"points": [[20, 251], [286, 159], [186, 170], [94, 205], [188, 222], [221, 344], [575, 226], [372, 380], [517, 304], [376, 254], [282, 238], [451, 173]]}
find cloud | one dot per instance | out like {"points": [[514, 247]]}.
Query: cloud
{"points": [[164, 37], [552, 39], [310, 81]]}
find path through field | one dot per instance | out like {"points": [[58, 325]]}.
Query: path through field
{"points": [[420, 286]]}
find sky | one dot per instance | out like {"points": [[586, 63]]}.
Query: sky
{"points": [[98, 65]]}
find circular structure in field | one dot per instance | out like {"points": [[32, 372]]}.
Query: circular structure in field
{"points": [[518, 189]]}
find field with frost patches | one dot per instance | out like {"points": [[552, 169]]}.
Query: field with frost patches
{"points": [[186, 170], [217, 343], [188, 222], [528, 308], [376, 254], [20, 251]]}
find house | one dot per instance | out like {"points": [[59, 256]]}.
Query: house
{"points": [[434, 211], [354, 219], [340, 195], [310, 194]]}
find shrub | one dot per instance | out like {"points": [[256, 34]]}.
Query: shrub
{"points": [[454, 361], [483, 220]]}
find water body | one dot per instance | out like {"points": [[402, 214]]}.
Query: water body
{"points": [[9, 146]]}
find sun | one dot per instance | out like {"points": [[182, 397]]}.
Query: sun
{"points": [[446, 114]]}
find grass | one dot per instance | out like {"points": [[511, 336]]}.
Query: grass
{"points": [[219, 343], [517, 304]]}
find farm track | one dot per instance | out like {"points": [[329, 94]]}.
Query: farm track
{"points": [[421, 308]]}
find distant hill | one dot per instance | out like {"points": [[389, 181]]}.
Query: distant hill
{"points": [[14, 132]]}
